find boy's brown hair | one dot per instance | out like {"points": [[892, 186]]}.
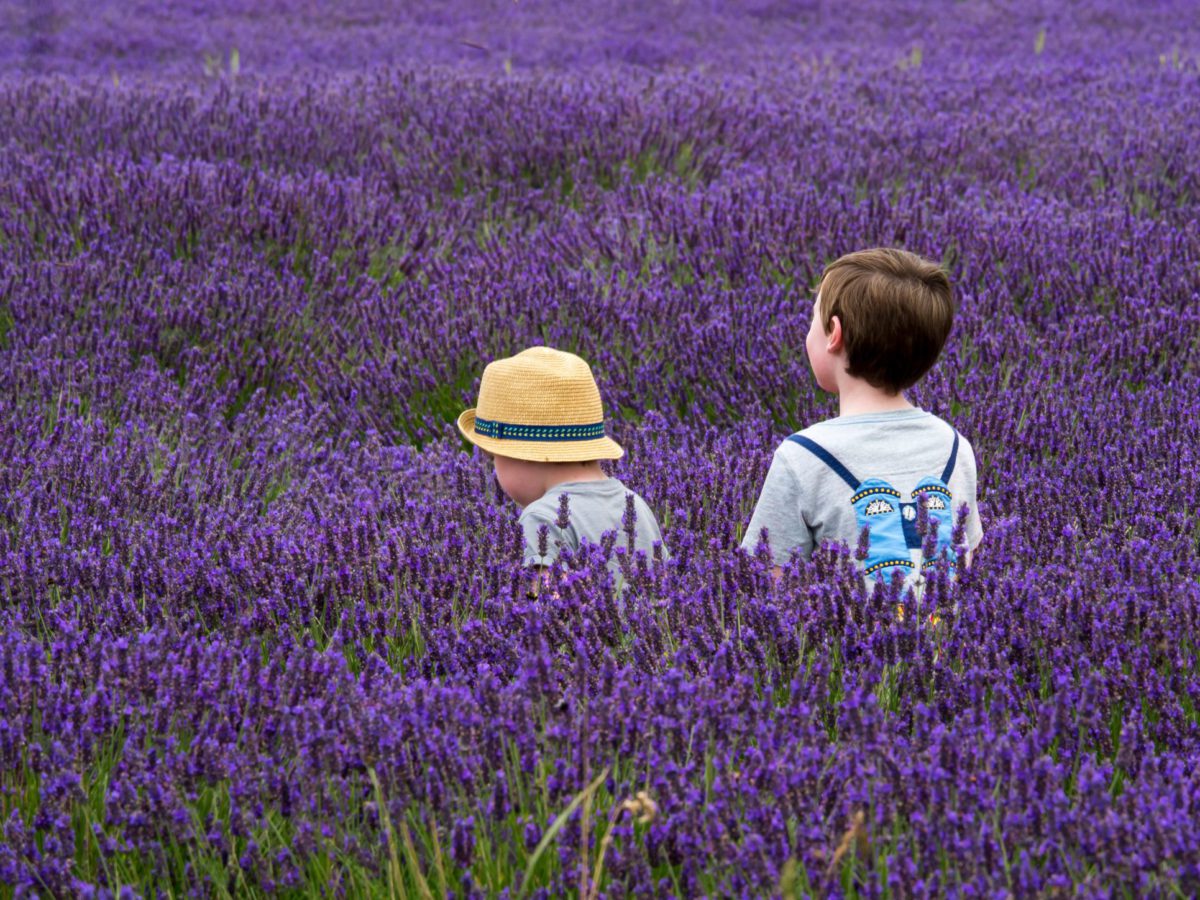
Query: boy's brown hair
{"points": [[896, 309]]}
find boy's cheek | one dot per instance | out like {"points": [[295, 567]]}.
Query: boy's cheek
{"points": [[814, 362]]}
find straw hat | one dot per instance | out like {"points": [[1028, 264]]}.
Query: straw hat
{"points": [[541, 405]]}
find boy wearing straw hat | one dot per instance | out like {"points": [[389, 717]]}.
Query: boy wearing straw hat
{"points": [[541, 421]]}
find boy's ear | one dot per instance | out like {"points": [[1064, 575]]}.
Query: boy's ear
{"points": [[834, 342]]}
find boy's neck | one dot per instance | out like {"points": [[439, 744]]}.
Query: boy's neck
{"points": [[857, 397], [561, 473]]}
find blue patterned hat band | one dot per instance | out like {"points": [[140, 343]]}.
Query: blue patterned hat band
{"points": [[506, 431]]}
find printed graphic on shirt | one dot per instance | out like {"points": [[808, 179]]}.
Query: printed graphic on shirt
{"points": [[895, 538]]}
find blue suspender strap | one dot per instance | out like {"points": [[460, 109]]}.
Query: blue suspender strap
{"points": [[830, 460], [949, 470]]}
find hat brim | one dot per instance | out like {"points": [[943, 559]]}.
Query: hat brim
{"points": [[540, 451]]}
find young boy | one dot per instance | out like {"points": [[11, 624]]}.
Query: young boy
{"points": [[879, 322], [541, 421]]}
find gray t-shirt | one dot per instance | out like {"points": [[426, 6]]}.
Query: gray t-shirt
{"points": [[594, 507], [804, 502]]}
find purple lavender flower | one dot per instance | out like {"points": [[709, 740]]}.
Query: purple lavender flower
{"points": [[246, 564]]}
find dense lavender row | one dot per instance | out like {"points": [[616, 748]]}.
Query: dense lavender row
{"points": [[262, 623]]}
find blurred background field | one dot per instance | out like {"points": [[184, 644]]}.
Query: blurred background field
{"points": [[180, 39]]}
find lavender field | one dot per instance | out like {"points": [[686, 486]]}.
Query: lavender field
{"points": [[263, 624]]}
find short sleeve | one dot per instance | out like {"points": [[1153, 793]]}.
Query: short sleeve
{"points": [[780, 511], [532, 519], [974, 528], [650, 528]]}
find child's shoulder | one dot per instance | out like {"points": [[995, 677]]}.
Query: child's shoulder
{"points": [[543, 509], [871, 434], [607, 492]]}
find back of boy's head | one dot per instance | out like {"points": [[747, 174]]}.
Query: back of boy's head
{"points": [[896, 309]]}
